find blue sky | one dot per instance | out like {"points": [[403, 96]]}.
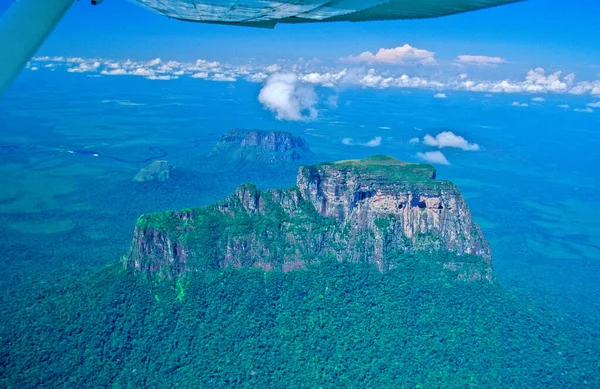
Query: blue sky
{"points": [[556, 35]]}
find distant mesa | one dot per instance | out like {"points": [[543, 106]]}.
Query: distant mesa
{"points": [[156, 171], [261, 146], [376, 210]]}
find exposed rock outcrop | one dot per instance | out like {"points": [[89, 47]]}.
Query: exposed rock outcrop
{"points": [[156, 171], [261, 146], [377, 210]]}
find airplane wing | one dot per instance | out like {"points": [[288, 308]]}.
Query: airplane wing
{"points": [[268, 13], [27, 23]]}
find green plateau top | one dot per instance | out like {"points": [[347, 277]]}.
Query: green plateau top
{"points": [[383, 168]]}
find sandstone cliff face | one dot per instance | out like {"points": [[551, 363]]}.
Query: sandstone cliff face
{"points": [[377, 210], [261, 146]]}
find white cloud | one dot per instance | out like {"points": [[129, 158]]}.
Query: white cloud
{"points": [[517, 104], [290, 99], [538, 99], [449, 139], [434, 157], [565, 106], [414, 140], [479, 60], [143, 72], [440, 95], [537, 81], [401, 55], [587, 110], [154, 62], [114, 72], [162, 77], [222, 77], [328, 79], [375, 142], [84, 67], [594, 105]]}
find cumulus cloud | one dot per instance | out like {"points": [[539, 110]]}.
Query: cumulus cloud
{"points": [[414, 140], [538, 99], [375, 142], [440, 95], [479, 60], [449, 139], [434, 157], [565, 106], [587, 110], [594, 105], [288, 98], [517, 104], [401, 55], [537, 81]]}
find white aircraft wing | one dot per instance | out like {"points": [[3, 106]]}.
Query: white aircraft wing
{"points": [[266, 13]]}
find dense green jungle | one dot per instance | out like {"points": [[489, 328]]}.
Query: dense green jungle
{"points": [[330, 326]]}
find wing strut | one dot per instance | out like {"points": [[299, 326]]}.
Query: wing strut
{"points": [[23, 28]]}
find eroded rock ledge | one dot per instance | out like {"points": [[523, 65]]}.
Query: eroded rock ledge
{"points": [[377, 210]]}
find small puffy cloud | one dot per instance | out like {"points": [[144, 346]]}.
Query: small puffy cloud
{"points": [[538, 99], [84, 67], [375, 142], [288, 98], [164, 77], [414, 140], [154, 62], [449, 139], [114, 72], [587, 110], [222, 77], [273, 68], [434, 157], [565, 106], [401, 55], [517, 104], [440, 95], [144, 72], [594, 105], [480, 60]]}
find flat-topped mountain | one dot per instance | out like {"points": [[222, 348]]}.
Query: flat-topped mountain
{"points": [[261, 146], [377, 210]]}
